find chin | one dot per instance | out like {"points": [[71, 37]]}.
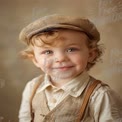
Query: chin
{"points": [[63, 76]]}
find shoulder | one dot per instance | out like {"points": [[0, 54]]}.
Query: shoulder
{"points": [[30, 84], [105, 103], [103, 89], [104, 94]]}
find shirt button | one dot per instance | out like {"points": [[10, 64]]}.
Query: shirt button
{"points": [[53, 100]]}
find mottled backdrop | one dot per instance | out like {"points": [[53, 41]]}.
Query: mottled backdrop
{"points": [[14, 72]]}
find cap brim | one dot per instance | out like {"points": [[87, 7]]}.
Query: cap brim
{"points": [[56, 26]]}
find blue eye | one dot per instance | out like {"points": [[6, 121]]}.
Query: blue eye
{"points": [[47, 52], [72, 49]]}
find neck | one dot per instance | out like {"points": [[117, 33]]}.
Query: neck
{"points": [[59, 82]]}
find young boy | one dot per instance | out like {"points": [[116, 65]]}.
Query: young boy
{"points": [[65, 48]]}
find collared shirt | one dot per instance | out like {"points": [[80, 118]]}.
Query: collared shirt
{"points": [[55, 95], [105, 105]]}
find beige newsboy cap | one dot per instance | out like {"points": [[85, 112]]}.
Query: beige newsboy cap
{"points": [[47, 23]]}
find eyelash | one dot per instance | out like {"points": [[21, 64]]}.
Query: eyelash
{"points": [[47, 52], [72, 49]]}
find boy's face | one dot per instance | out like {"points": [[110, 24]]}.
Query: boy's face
{"points": [[67, 58]]}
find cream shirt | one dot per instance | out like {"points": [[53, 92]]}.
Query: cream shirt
{"points": [[105, 105]]}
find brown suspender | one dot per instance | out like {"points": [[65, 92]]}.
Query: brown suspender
{"points": [[84, 104], [86, 98]]}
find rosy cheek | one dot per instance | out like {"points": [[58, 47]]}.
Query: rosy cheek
{"points": [[81, 61], [47, 63], [78, 60]]}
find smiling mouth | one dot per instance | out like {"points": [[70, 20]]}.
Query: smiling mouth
{"points": [[63, 68]]}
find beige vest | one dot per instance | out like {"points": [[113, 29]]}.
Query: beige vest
{"points": [[66, 111]]}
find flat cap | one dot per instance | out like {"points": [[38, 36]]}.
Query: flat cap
{"points": [[59, 21]]}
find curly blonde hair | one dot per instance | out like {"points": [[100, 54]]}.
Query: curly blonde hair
{"points": [[48, 36]]}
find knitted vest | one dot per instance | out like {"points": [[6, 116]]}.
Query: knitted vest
{"points": [[66, 111]]}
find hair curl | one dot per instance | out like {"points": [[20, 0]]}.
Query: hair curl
{"points": [[47, 37]]}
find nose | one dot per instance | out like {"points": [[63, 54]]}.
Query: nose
{"points": [[60, 57]]}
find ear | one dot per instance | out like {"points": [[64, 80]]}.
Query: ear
{"points": [[92, 54], [35, 62]]}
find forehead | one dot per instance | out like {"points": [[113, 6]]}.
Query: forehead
{"points": [[61, 38], [69, 36]]}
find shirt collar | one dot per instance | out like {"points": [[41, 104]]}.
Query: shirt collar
{"points": [[74, 87], [45, 84]]}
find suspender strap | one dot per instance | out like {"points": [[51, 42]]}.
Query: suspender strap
{"points": [[86, 98], [84, 104]]}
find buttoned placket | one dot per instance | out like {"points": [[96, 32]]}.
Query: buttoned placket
{"points": [[55, 94]]}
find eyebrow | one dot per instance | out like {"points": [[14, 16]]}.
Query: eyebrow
{"points": [[49, 46], [45, 46], [72, 44]]}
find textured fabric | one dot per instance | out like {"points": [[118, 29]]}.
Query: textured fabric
{"points": [[66, 111], [104, 105], [46, 23], [55, 95], [70, 106]]}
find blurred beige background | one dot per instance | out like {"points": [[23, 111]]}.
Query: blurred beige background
{"points": [[14, 72]]}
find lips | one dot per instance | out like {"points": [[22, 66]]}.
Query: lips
{"points": [[63, 67]]}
